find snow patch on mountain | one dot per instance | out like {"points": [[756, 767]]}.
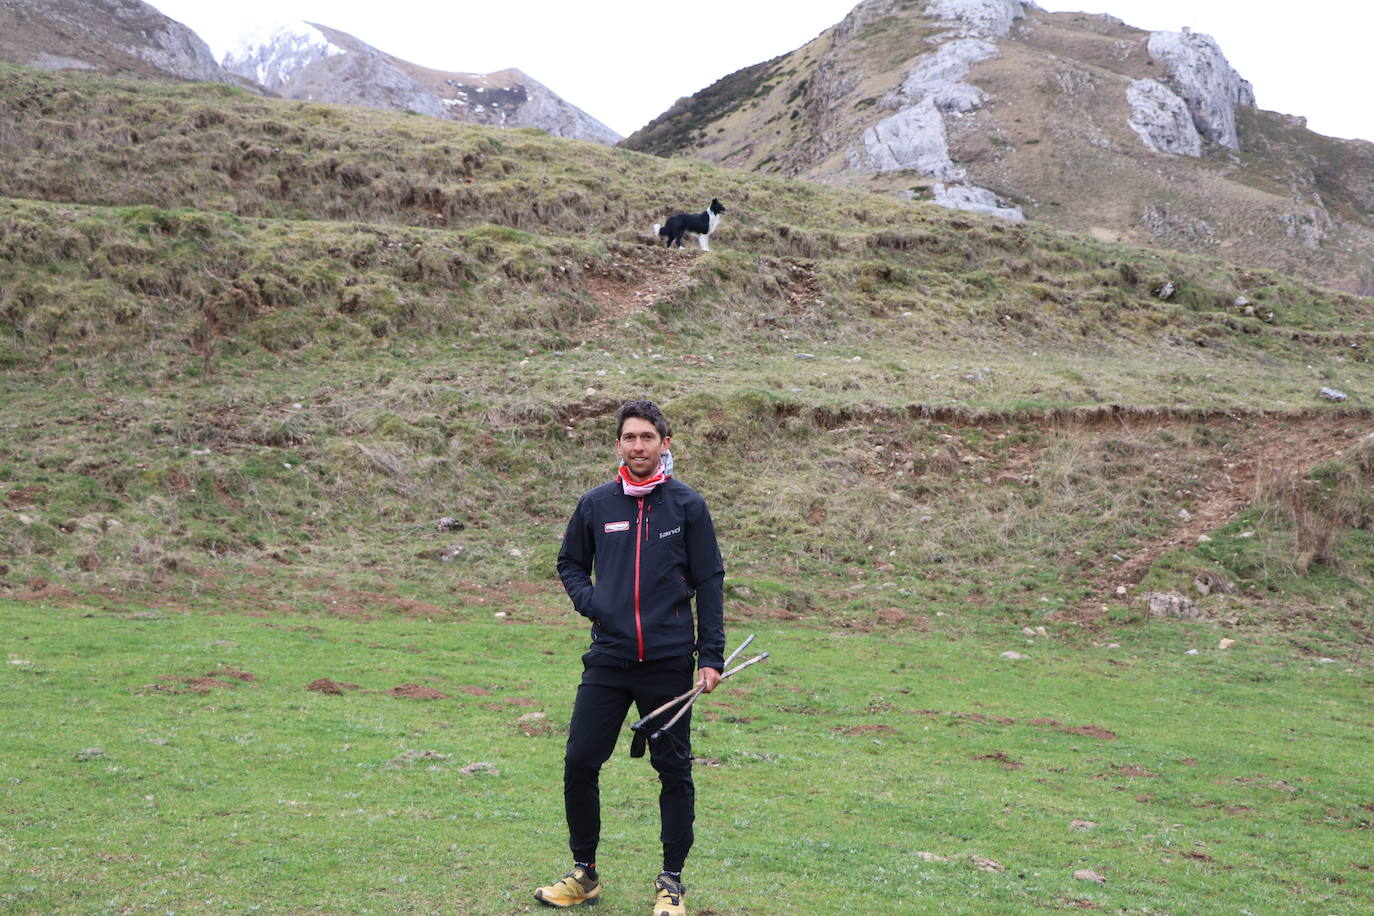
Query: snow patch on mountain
{"points": [[274, 56], [312, 62]]}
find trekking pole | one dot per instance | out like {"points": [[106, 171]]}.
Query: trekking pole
{"points": [[692, 695], [678, 699]]}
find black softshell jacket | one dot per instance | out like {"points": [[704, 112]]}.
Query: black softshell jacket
{"points": [[651, 556]]}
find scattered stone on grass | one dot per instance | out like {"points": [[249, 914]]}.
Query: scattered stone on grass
{"points": [[416, 692], [1014, 656], [1211, 581], [1226, 644], [325, 685], [1084, 874], [1170, 604], [1332, 394]]}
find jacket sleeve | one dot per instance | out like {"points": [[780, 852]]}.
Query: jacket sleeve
{"points": [[575, 559], [706, 573]]}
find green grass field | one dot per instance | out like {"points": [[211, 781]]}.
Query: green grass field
{"points": [[884, 772]]}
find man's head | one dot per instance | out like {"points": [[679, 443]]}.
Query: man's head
{"points": [[641, 435], [643, 410]]}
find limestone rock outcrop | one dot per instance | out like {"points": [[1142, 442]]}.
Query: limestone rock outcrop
{"points": [[915, 136], [983, 17], [939, 76], [1206, 82], [1162, 120], [974, 199]]}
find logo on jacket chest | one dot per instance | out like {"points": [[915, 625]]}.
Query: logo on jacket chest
{"points": [[617, 526]]}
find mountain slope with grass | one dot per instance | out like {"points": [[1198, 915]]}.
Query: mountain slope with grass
{"points": [[1080, 121], [116, 37], [240, 331], [296, 402]]}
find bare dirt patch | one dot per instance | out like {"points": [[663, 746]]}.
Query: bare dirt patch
{"points": [[171, 683], [1133, 770], [1008, 762], [855, 731], [1087, 731], [326, 685], [1261, 447], [235, 673], [416, 692], [365, 605], [25, 496], [42, 590], [637, 282]]}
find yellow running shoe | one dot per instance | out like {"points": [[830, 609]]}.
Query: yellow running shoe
{"points": [[574, 888], [670, 894]]}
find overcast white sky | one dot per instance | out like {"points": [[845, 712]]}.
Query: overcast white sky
{"points": [[625, 62]]}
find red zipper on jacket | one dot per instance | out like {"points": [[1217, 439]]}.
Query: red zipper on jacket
{"points": [[640, 536]]}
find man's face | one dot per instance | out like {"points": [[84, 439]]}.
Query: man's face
{"points": [[640, 447]]}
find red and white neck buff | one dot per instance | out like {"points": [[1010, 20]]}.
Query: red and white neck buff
{"points": [[645, 487]]}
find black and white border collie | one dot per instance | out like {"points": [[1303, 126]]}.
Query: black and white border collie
{"points": [[703, 224]]}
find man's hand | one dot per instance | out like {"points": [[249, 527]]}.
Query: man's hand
{"points": [[707, 679]]}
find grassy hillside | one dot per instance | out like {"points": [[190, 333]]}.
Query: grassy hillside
{"points": [[200, 373], [295, 392]]}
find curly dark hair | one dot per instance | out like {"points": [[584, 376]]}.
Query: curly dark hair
{"points": [[643, 410]]}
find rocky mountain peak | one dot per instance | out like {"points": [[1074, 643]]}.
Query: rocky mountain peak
{"points": [[1080, 120], [311, 61], [112, 36], [273, 57]]}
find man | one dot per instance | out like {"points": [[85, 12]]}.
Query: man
{"points": [[650, 542]]}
